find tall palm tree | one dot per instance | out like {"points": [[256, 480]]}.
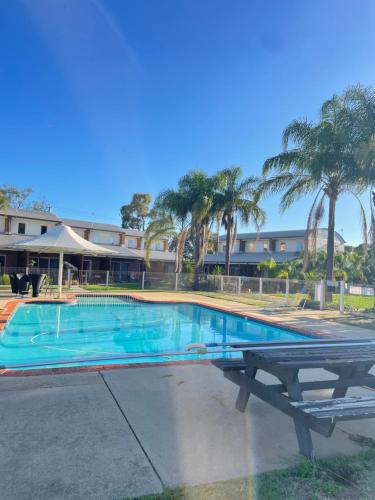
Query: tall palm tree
{"points": [[321, 160], [169, 218], [199, 190], [361, 101], [237, 198]]}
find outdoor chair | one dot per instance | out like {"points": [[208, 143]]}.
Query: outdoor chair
{"points": [[298, 302]]}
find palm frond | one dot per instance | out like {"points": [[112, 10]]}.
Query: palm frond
{"points": [[297, 131]]}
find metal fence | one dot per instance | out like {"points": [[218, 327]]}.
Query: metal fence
{"points": [[335, 295]]}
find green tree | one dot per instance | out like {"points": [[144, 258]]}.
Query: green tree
{"points": [[135, 214], [40, 206], [199, 190], [15, 198], [237, 198], [169, 218], [323, 160], [267, 268]]}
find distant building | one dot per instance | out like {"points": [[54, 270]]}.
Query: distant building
{"points": [[18, 225], [252, 248]]}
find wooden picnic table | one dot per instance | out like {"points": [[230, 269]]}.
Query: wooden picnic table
{"points": [[351, 361]]}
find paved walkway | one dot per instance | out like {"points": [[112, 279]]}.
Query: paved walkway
{"points": [[129, 432]]}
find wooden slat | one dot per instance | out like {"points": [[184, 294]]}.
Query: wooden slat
{"points": [[311, 355], [351, 408]]}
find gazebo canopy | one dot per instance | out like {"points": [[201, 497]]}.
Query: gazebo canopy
{"points": [[62, 239]]}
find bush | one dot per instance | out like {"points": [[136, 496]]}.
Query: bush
{"points": [[5, 280]]}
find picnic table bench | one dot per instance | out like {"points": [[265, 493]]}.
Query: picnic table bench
{"points": [[351, 361]]}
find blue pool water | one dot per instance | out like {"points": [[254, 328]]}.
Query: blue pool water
{"points": [[46, 334]]}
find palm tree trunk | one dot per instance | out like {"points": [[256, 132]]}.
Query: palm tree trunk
{"points": [[331, 238], [197, 250], [228, 247], [218, 224]]}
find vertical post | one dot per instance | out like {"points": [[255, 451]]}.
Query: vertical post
{"points": [[176, 281], [60, 276], [239, 285], [26, 270], [106, 278], [287, 286], [221, 283], [260, 286], [143, 280], [342, 296], [69, 278], [322, 294]]}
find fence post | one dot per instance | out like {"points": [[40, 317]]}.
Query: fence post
{"points": [[342, 296], [260, 286], [69, 279], [239, 285], [287, 286], [322, 295], [176, 281], [143, 280], [221, 283], [107, 278]]}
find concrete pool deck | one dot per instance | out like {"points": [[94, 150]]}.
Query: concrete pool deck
{"points": [[126, 433]]}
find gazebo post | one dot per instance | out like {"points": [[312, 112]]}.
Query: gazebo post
{"points": [[60, 277]]}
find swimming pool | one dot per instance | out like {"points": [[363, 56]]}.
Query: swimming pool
{"points": [[102, 331]]}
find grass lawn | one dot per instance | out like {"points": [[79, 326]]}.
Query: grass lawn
{"points": [[251, 300], [341, 477], [356, 302], [112, 288]]}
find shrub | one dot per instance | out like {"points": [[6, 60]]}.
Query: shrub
{"points": [[5, 280]]}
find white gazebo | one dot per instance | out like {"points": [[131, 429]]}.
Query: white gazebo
{"points": [[62, 239]]}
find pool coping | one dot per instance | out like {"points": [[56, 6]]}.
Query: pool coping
{"points": [[7, 312]]}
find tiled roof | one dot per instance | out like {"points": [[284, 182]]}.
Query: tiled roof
{"points": [[84, 224], [29, 214], [293, 233], [75, 223]]}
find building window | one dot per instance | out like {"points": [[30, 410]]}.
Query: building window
{"points": [[242, 246], [265, 247], [21, 228], [2, 262], [282, 246], [132, 244], [158, 245], [299, 246], [43, 229], [251, 247]]}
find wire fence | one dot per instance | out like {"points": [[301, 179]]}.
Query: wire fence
{"points": [[333, 295]]}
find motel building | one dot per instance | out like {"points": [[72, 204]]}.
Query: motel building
{"points": [[252, 248], [20, 225]]}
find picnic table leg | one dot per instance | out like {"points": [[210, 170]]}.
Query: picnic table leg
{"points": [[340, 392], [244, 394], [345, 373], [303, 433]]}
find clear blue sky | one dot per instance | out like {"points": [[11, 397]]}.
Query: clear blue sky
{"points": [[99, 99]]}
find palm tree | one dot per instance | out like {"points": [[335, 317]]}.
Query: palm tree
{"points": [[237, 198], [323, 161], [198, 189], [169, 218], [361, 101]]}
